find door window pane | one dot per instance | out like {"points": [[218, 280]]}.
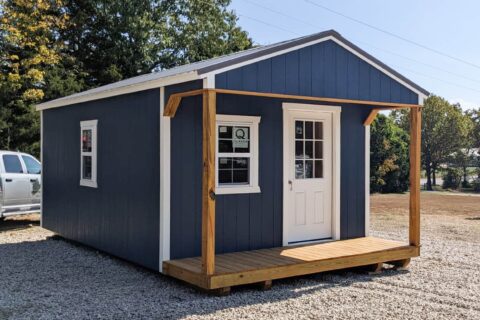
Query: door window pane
{"points": [[308, 130], [308, 149], [33, 166], [308, 169], [318, 169], [299, 149], [298, 129], [12, 163], [308, 146], [299, 172], [87, 167], [318, 130], [318, 149]]}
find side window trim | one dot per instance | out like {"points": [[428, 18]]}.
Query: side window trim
{"points": [[92, 126]]}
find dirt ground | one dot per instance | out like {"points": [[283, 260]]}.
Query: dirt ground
{"points": [[43, 278]]}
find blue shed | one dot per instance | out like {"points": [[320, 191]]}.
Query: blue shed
{"points": [[240, 169]]}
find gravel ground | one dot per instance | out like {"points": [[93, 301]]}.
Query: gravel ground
{"points": [[43, 278]]}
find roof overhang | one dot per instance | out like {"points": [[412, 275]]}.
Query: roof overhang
{"points": [[209, 68], [96, 95]]}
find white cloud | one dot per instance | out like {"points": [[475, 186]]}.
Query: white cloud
{"points": [[466, 105]]}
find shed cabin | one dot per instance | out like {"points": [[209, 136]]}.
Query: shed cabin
{"points": [[241, 169]]}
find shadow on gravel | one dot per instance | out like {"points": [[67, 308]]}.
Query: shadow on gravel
{"points": [[56, 279], [19, 223]]}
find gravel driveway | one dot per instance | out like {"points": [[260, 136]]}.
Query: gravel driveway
{"points": [[44, 278]]}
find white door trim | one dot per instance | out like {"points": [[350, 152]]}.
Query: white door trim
{"points": [[367, 181], [335, 111]]}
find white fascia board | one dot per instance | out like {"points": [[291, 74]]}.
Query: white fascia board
{"points": [[337, 41], [157, 83]]}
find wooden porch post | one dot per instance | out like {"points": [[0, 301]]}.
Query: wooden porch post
{"points": [[208, 182], [415, 151]]}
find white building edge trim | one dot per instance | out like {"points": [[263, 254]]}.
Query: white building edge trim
{"points": [[193, 75], [367, 181], [337, 41], [152, 84], [164, 234]]}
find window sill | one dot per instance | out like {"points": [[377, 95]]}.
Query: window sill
{"points": [[88, 183], [237, 190]]}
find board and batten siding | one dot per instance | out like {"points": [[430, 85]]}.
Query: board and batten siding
{"points": [[254, 221], [121, 216], [322, 70]]}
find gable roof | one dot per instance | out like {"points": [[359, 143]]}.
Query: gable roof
{"points": [[201, 69]]}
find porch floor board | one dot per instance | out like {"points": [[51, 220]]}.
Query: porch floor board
{"points": [[246, 267]]}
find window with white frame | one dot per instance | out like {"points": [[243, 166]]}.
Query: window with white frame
{"points": [[88, 153], [237, 154]]}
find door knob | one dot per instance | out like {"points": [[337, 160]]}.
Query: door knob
{"points": [[291, 184]]}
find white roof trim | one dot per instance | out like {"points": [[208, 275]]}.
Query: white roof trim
{"points": [[149, 84], [303, 45], [197, 71]]}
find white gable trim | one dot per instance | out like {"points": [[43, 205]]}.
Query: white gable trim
{"points": [[151, 84], [337, 41]]}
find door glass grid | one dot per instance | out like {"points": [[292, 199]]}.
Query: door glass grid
{"points": [[308, 149]]}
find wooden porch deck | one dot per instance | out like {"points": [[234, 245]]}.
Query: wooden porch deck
{"points": [[262, 266]]}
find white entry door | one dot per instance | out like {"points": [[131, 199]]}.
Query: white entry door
{"points": [[308, 189]]}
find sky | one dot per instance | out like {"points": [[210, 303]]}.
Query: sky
{"points": [[449, 27]]}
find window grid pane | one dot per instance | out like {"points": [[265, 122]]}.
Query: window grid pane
{"points": [[308, 149], [233, 171]]}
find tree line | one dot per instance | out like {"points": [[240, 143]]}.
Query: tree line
{"points": [[450, 143], [54, 48]]}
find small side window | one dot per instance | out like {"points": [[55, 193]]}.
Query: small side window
{"points": [[12, 163], [33, 166], [88, 153]]}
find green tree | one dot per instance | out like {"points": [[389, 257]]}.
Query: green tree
{"points": [[388, 157], [444, 129], [464, 156], [53, 48], [28, 46], [114, 40]]}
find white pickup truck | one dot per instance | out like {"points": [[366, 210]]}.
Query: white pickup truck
{"points": [[20, 184]]}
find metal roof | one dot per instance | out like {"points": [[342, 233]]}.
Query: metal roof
{"points": [[195, 70]]}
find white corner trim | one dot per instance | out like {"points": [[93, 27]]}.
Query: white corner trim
{"points": [[209, 81], [93, 126], [337, 41], [367, 181], [41, 172], [336, 161], [164, 238], [151, 84]]}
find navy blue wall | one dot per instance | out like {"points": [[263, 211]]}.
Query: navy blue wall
{"points": [[322, 70], [121, 215], [252, 221]]}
